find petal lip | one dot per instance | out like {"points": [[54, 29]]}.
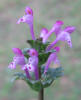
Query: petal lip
{"points": [[70, 29], [59, 22], [17, 51], [28, 10]]}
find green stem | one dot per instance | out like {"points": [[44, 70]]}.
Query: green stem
{"points": [[41, 95], [41, 92]]}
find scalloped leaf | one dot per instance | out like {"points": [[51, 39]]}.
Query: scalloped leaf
{"points": [[52, 73], [34, 84]]}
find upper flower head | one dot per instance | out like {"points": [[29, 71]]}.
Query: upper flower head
{"points": [[32, 52], [28, 18], [28, 10]]}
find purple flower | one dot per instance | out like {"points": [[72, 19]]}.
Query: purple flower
{"points": [[18, 59], [32, 52], [63, 35], [28, 10], [56, 28], [28, 18], [52, 58], [32, 66]]}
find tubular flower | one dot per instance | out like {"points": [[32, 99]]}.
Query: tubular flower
{"points": [[28, 18], [18, 59], [56, 28], [52, 58], [32, 64], [63, 35]]}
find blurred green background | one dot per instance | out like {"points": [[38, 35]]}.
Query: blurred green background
{"points": [[46, 12]]}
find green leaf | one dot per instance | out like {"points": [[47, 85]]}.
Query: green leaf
{"points": [[34, 84], [44, 56], [38, 45], [47, 82], [52, 73], [18, 75]]}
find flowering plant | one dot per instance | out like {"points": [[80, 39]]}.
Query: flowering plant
{"points": [[35, 61]]}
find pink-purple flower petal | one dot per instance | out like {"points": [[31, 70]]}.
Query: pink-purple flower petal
{"points": [[56, 28], [17, 51], [32, 52], [43, 32], [52, 58], [28, 10], [69, 29]]}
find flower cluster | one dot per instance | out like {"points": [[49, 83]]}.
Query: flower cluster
{"points": [[30, 64]]}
